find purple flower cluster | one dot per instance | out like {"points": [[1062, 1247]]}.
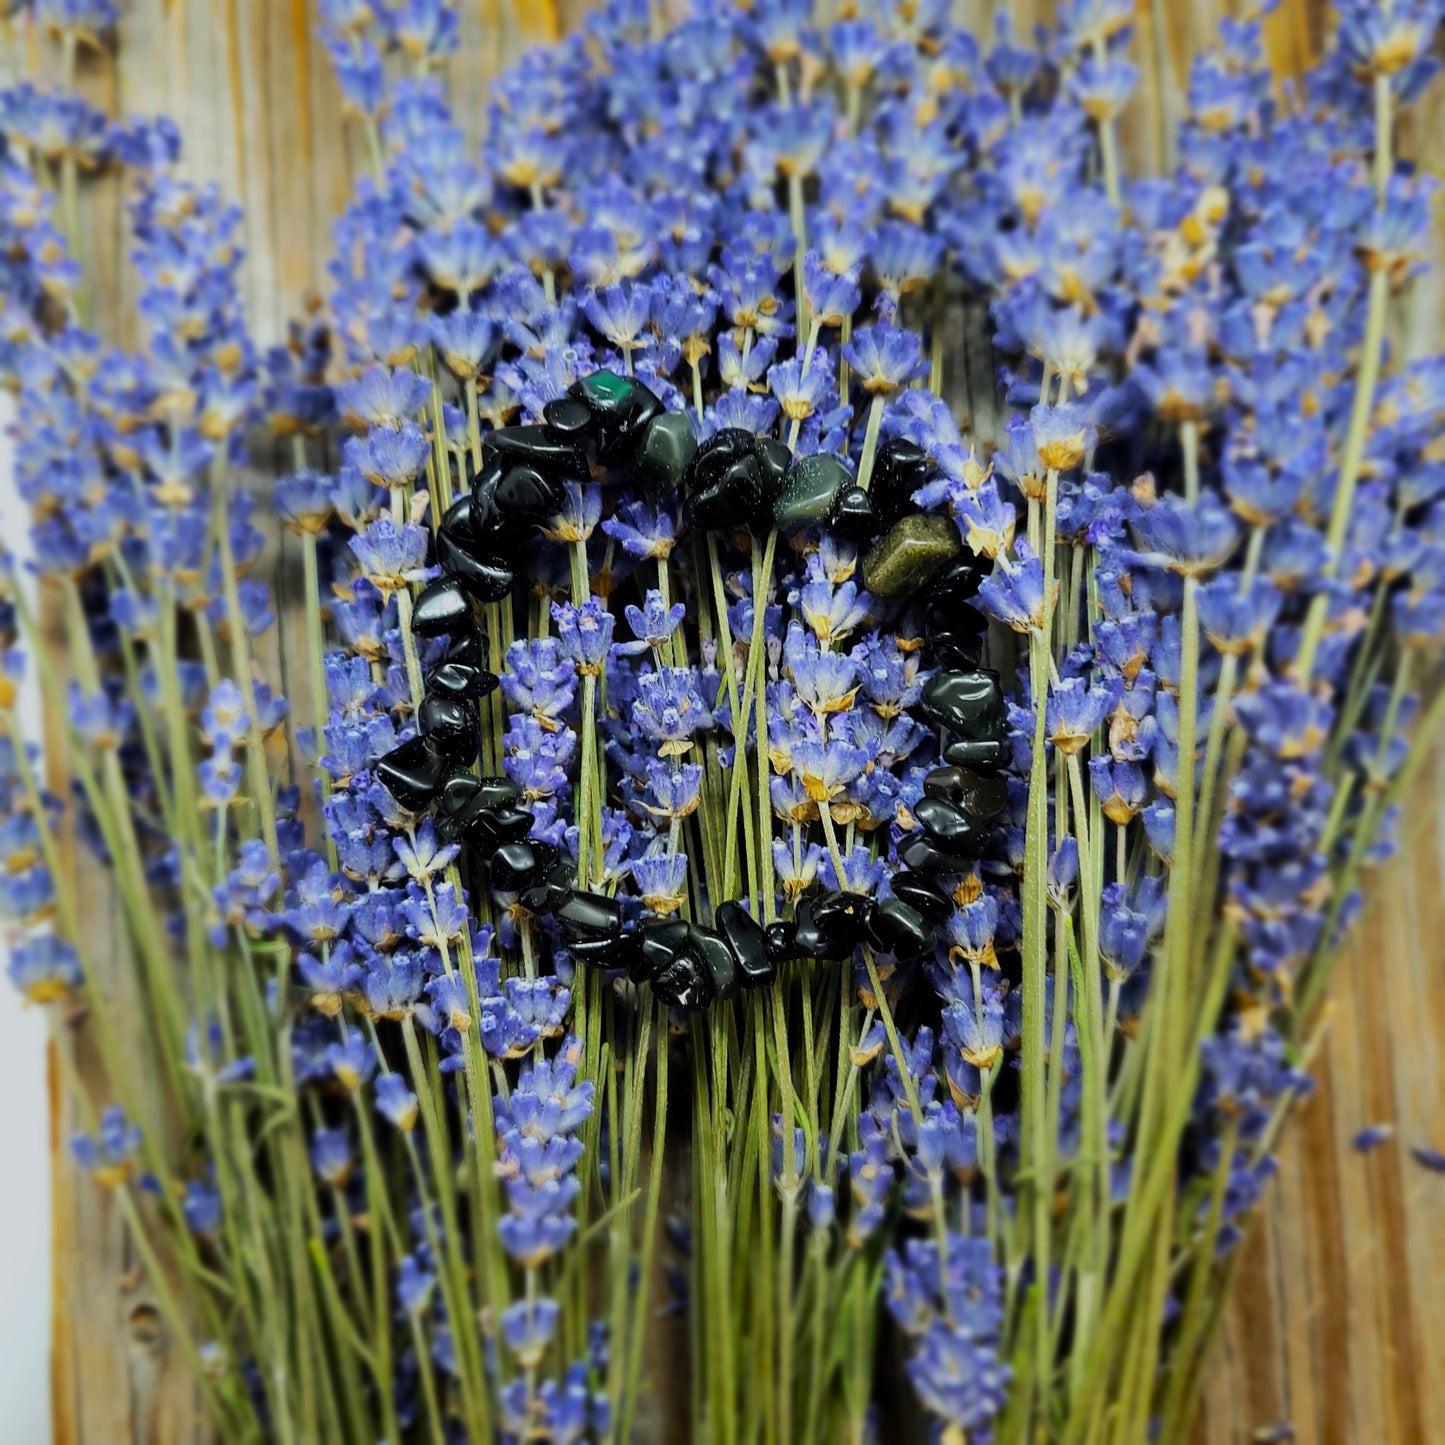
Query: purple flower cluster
{"points": [[470, 293], [1243, 563], [1204, 316], [952, 1307], [536, 1129]]}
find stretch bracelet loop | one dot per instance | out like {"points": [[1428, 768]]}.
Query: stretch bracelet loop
{"points": [[734, 480]]}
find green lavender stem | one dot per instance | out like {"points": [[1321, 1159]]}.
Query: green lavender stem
{"points": [[171, 1310], [316, 664], [110, 804], [451, 1267], [870, 440], [241, 665], [1036, 1148], [1194, 1317], [1371, 356]]}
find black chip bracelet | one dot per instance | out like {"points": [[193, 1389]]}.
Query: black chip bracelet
{"points": [[733, 480]]}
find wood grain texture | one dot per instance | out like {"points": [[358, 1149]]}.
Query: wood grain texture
{"points": [[1336, 1323]]}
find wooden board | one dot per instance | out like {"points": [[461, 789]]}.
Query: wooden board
{"points": [[1336, 1324]]}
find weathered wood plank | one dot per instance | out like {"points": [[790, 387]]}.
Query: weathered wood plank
{"points": [[1359, 1320]]}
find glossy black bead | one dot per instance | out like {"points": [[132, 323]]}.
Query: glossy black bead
{"points": [[733, 500], [548, 856], [458, 519], [749, 943], [782, 939], [412, 772], [810, 940], [943, 782], [953, 626], [482, 528], [441, 608], [831, 926], [516, 866], [712, 510], [945, 820], [458, 791], [452, 725], [968, 702], [854, 517], [660, 943], [485, 578], [468, 647], [529, 494], [569, 417], [900, 468], [916, 891], [919, 855], [950, 827], [497, 792], [984, 795], [449, 828], [958, 647], [461, 680], [810, 492], [443, 717], [717, 957], [959, 581], [774, 460], [538, 446], [980, 795], [474, 809], [623, 440], [923, 855], [684, 983], [453, 806], [719, 452], [621, 405], [841, 910], [620, 952], [546, 895], [591, 913], [480, 810], [491, 828], [897, 928], [982, 754], [664, 454]]}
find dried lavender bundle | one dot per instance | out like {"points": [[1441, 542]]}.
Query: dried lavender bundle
{"points": [[795, 819]]}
